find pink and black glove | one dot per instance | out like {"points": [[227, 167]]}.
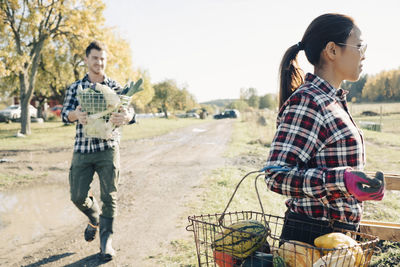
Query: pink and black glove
{"points": [[363, 187]]}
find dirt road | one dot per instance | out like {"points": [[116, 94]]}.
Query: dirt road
{"points": [[40, 227]]}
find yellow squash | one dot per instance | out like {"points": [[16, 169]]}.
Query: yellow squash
{"points": [[338, 240], [295, 254]]}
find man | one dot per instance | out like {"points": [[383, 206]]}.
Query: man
{"points": [[95, 155]]}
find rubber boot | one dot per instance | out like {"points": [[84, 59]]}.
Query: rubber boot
{"points": [[93, 225], [106, 230]]}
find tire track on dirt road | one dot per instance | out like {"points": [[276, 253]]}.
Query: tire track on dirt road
{"points": [[159, 176]]}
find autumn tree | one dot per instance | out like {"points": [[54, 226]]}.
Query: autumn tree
{"points": [[45, 51], [62, 59], [142, 99], [168, 97], [184, 100], [384, 86], [28, 27], [164, 94]]}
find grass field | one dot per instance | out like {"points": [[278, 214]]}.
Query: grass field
{"points": [[248, 151], [56, 135], [384, 108]]}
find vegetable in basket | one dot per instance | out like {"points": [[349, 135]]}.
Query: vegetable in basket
{"points": [[259, 259], [241, 239], [223, 259], [336, 259], [298, 254], [338, 240], [278, 261]]}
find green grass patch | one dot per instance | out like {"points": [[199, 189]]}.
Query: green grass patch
{"points": [[57, 135], [251, 135], [175, 257], [389, 123], [12, 179], [388, 255], [147, 128], [43, 136], [382, 138], [379, 108]]}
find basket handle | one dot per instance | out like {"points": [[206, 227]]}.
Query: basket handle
{"points": [[260, 173], [234, 192]]}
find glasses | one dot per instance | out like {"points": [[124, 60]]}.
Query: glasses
{"points": [[362, 48]]}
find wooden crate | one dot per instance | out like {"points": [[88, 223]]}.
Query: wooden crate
{"points": [[384, 230]]}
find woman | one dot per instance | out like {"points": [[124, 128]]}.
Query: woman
{"points": [[317, 144]]}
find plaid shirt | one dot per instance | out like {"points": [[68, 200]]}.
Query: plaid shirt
{"points": [[318, 139], [83, 144]]}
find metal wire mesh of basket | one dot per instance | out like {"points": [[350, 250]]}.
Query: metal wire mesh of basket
{"points": [[99, 107], [234, 239]]}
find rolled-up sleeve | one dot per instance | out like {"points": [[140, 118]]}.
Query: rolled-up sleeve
{"points": [[70, 102]]}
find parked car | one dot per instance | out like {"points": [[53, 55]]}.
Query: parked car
{"points": [[192, 115], [56, 110], [13, 113], [229, 113], [188, 115]]}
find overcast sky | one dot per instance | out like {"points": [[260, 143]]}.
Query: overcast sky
{"points": [[216, 47]]}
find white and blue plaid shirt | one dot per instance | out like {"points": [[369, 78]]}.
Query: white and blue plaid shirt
{"points": [[84, 144]]}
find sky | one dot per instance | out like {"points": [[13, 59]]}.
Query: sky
{"points": [[216, 47]]}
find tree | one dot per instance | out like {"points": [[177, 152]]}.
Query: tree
{"points": [[32, 26], [164, 95], [269, 101], [168, 96], [184, 100], [119, 57], [355, 88], [240, 105], [384, 86], [142, 99], [250, 96]]}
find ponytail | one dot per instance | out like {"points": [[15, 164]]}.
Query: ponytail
{"points": [[323, 29], [291, 76]]}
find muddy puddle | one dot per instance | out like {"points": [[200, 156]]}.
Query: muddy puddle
{"points": [[31, 216]]}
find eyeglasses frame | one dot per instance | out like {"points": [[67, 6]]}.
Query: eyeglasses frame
{"points": [[362, 48]]}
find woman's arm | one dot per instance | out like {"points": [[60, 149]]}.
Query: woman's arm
{"points": [[301, 133]]}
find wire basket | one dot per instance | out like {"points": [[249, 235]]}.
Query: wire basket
{"points": [[99, 107], [220, 243]]}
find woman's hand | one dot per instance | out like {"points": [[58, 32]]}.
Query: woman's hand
{"points": [[363, 187]]}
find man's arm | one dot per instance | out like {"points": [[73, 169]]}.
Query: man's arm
{"points": [[77, 115], [70, 104], [124, 116]]}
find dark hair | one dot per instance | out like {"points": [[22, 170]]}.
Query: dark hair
{"points": [[95, 45], [321, 31]]}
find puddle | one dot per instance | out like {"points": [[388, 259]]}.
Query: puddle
{"points": [[31, 216]]}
